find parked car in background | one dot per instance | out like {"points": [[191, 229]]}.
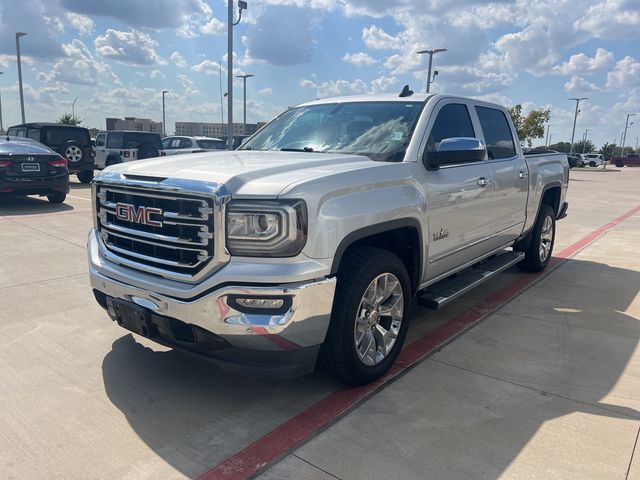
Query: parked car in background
{"points": [[70, 141], [118, 146], [593, 159], [177, 144], [574, 160], [31, 168], [631, 160]]}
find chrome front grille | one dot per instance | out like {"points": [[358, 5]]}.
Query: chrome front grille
{"points": [[160, 229]]}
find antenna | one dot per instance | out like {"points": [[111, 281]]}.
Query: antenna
{"points": [[406, 92]]}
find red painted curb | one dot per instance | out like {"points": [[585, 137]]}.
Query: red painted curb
{"points": [[295, 431]]}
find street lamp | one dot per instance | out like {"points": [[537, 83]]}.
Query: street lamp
{"points": [[1, 127], [431, 53], [18, 35], [164, 130], [73, 107], [546, 143], [244, 78], [624, 136], [550, 137], [584, 139], [575, 118], [242, 5]]}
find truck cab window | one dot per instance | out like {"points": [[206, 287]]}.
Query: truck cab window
{"points": [[497, 133], [453, 121]]}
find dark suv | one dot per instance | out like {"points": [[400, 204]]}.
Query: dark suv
{"points": [[30, 168], [70, 141]]}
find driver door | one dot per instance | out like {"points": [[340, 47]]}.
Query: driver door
{"points": [[459, 204], [101, 151]]}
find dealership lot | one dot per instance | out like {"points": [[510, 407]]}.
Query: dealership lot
{"points": [[533, 391]]}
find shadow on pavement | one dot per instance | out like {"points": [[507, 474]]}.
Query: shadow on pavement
{"points": [[20, 205], [79, 186], [193, 416]]}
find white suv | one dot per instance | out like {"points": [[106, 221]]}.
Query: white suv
{"points": [[593, 159], [178, 144], [118, 146]]}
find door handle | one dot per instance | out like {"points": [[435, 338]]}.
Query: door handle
{"points": [[522, 175], [483, 182]]}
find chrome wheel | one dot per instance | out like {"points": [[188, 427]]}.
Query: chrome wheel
{"points": [[546, 239], [379, 318], [73, 153]]}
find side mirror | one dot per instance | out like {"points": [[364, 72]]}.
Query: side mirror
{"points": [[455, 150]]}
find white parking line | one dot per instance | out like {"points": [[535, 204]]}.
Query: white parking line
{"points": [[79, 198]]}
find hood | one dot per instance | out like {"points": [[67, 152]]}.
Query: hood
{"points": [[245, 172]]}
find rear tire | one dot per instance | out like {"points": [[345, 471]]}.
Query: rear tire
{"points": [[619, 164], [592, 164], [543, 235], [369, 319], [85, 176], [57, 197]]}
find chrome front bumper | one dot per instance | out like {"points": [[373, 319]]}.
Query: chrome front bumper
{"points": [[303, 325]]}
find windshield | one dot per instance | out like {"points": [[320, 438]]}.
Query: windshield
{"points": [[379, 130], [213, 144]]}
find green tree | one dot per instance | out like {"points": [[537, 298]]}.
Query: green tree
{"points": [[581, 146], [608, 149], [531, 126], [562, 147], [69, 119]]}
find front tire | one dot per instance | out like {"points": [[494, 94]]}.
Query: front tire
{"points": [[85, 176], [369, 320], [57, 197], [592, 164], [543, 235]]}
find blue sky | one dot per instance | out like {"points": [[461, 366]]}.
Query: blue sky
{"points": [[117, 56]]}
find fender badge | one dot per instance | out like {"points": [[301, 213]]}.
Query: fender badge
{"points": [[443, 233]]}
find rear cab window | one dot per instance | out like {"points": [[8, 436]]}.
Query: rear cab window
{"points": [[497, 133], [135, 139]]}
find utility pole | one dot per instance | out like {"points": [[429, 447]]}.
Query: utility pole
{"points": [[18, 35], [431, 53], [73, 107], [164, 128], [584, 139], [575, 119], [244, 78], [624, 135], [221, 104], [1, 127], [242, 5]]}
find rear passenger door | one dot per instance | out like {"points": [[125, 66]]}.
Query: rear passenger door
{"points": [[458, 195], [509, 174]]}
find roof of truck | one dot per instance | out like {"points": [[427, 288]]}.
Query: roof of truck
{"points": [[377, 97]]}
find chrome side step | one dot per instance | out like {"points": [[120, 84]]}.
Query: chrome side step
{"points": [[441, 293]]}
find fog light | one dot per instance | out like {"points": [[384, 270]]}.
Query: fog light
{"points": [[260, 305]]}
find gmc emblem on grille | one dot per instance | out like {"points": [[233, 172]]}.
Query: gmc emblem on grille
{"points": [[142, 215]]}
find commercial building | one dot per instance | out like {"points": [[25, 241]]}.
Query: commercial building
{"points": [[133, 123], [203, 129]]}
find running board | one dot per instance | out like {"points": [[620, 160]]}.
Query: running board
{"points": [[444, 291]]}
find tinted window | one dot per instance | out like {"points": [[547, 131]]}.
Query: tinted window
{"points": [[135, 139], [453, 121], [185, 143], [60, 135], [100, 140], [497, 133], [166, 142], [114, 140], [34, 134], [17, 132], [212, 144]]}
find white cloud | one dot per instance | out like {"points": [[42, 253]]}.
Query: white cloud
{"points": [[626, 74], [207, 66], [582, 64], [178, 60], [359, 59], [265, 91], [78, 67], [157, 74], [376, 38], [611, 19], [188, 84], [131, 48], [82, 23], [345, 87], [580, 85], [214, 27]]}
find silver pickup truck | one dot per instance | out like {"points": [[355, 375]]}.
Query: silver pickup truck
{"points": [[309, 245]]}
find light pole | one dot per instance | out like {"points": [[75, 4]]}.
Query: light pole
{"points": [[73, 107], [164, 129], [550, 137], [546, 142], [575, 118], [624, 136], [18, 35], [244, 78], [242, 5], [431, 53], [584, 139], [1, 127]]}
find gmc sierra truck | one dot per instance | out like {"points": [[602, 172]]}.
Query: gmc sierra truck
{"points": [[309, 244]]}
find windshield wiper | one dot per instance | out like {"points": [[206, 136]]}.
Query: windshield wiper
{"points": [[304, 149]]}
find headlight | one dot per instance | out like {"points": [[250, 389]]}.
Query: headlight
{"points": [[266, 229]]}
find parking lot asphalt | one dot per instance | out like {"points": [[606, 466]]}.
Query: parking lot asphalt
{"points": [[547, 386]]}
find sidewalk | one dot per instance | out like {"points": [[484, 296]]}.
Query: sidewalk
{"points": [[548, 387]]}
